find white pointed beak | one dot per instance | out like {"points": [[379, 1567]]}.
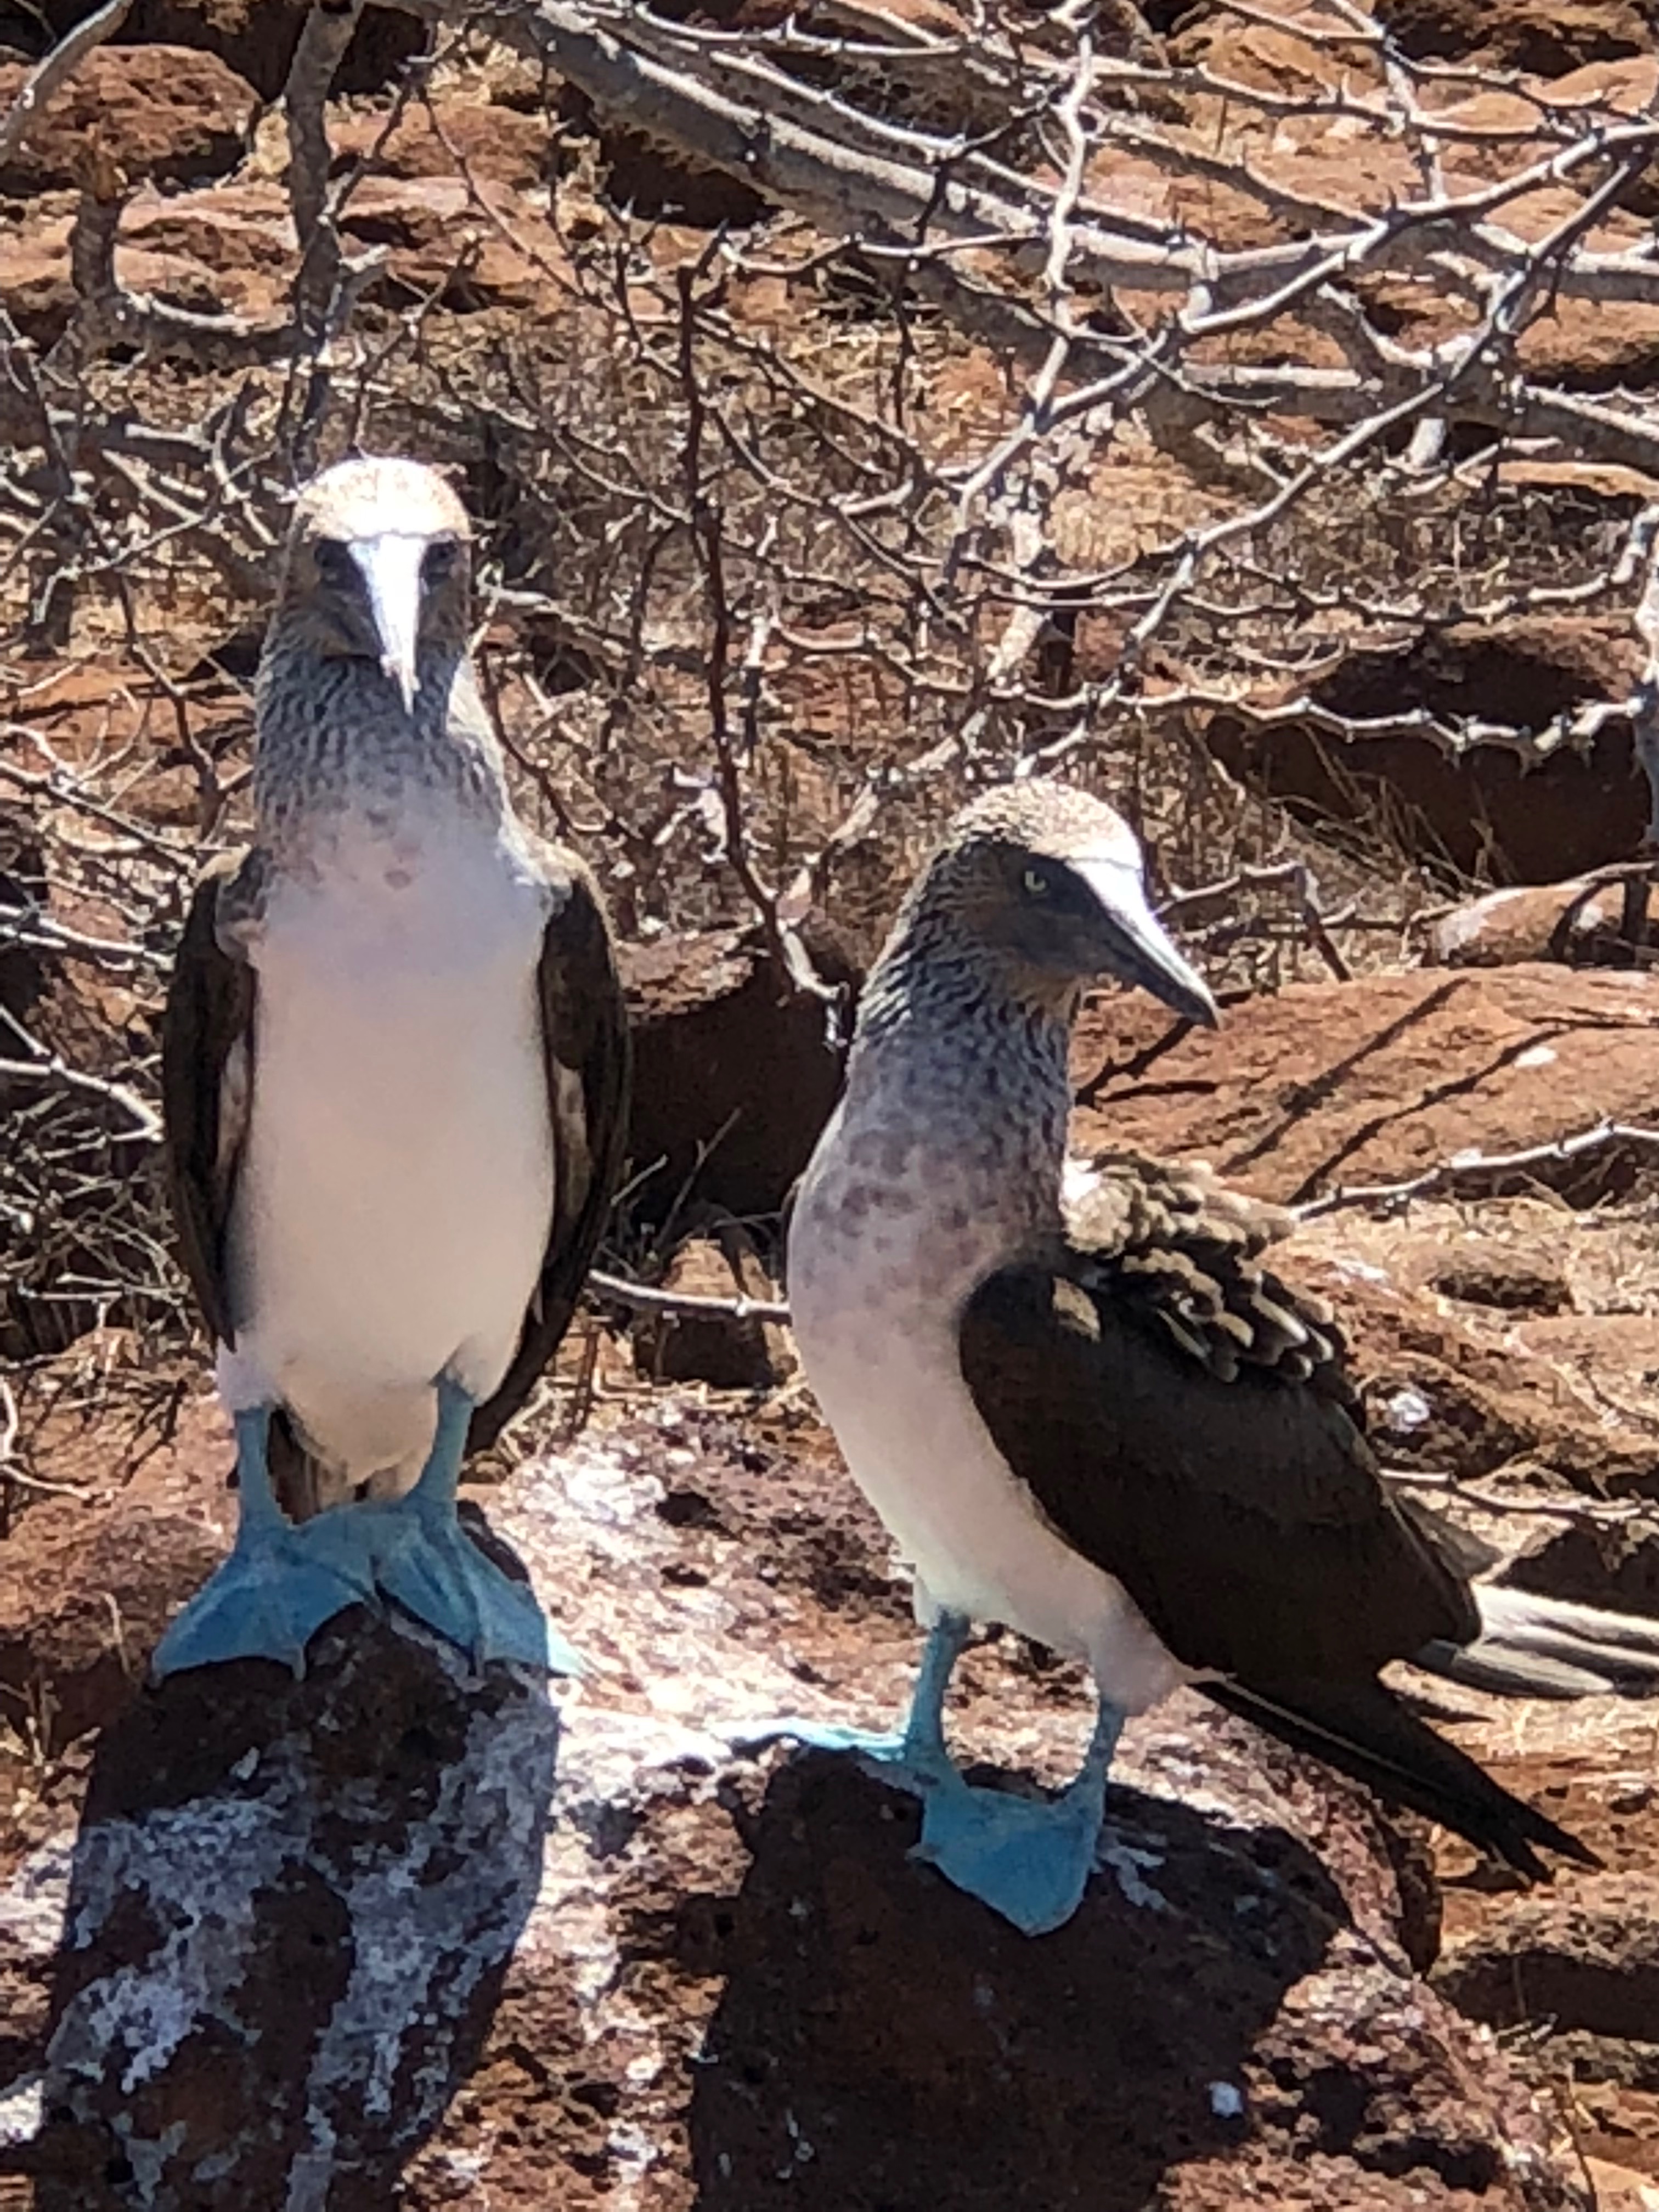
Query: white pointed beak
{"points": [[1141, 951], [391, 567]]}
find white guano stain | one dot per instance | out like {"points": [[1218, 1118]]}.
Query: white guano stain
{"points": [[22, 2105], [430, 1907], [195, 1871], [33, 1903]]}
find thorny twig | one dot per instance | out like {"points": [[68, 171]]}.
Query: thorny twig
{"points": [[978, 441], [1476, 1166], [732, 758], [1191, 908], [55, 68], [1584, 1512], [146, 1124], [328, 32]]}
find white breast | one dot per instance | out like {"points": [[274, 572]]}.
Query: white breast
{"points": [[875, 1291], [397, 1188]]}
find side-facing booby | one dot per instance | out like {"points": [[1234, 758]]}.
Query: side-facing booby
{"points": [[395, 1073], [1132, 1447]]}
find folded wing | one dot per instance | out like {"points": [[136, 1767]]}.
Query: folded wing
{"points": [[1184, 1421]]}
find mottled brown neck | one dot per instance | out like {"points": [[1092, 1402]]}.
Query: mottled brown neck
{"points": [[974, 1071], [333, 739]]}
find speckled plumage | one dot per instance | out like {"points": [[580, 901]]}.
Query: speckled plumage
{"points": [[944, 1162], [959, 1062], [335, 741], [1095, 1416], [942, 963]]}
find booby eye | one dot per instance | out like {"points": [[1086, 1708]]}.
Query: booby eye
{"points": [[1037, 882], [439, 560], [334, 562]]}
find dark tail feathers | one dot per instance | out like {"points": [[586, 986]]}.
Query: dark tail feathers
{"points": [[1364, 1731]]}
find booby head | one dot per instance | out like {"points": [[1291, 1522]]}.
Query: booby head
{"points": [[1051, 880], [379, 566]]}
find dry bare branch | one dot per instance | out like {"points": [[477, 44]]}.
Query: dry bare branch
{"points": [[1475, 1166], [643, 1298], [56, 68]]}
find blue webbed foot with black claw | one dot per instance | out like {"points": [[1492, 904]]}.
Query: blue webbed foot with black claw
{"points": [[271, 1595], [1030, 1859], [414, 1551]]}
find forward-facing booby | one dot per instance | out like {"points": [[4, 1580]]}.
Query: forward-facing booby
{"points": [[1099, 1421], [395, 1069]]}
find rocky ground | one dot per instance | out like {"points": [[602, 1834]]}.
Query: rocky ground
{"points": [[389, 1928], [391, 1934]]}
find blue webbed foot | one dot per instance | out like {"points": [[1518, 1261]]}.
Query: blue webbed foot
{"points": [[414, 1551], [915, 1758], [271, 1595], [1029, 1859], [421, 1559], [266, 1602], [892, 1754]]}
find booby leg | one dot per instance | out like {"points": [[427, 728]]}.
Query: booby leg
{"points": [[914, 1757], [414, 1550], [273, 1593], [1029, 1859]]}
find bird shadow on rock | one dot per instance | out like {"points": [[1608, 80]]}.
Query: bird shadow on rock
{"points": [[291, 1908], [885, 2044]]}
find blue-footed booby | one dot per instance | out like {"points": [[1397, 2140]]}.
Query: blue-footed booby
{"points": [[395, 1073], [1094, 1416]]}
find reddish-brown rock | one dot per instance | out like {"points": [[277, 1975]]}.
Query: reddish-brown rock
{"points": [[290, 1910], [1597, 1564], [1595, 345], [35, 289], [442, 239], [229, 248], [311, 1943], [160, 111], [257, 38], [735, 1070], [225, 250], [1468, 1367], [1588, 1962], [319, 1941], [1483, 807], [1548, 36], [492, 144], [1380, 1078], [729, 1350], [88, 1582], [1221, 2001]]}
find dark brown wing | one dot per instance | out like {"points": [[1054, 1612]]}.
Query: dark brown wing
{"points": [[1183, 1419], [207, 1053], [585, 1033]]}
